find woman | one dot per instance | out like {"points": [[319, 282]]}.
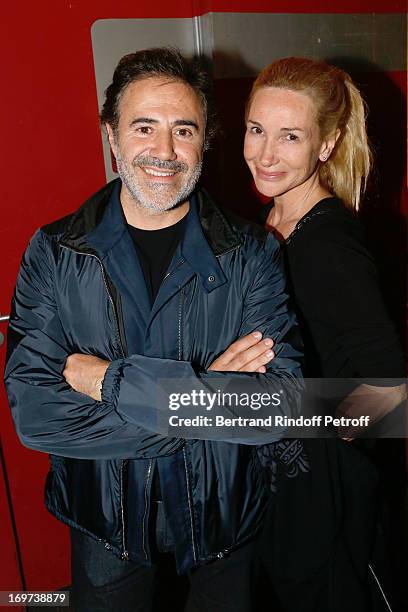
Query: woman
{"points": [[306, 147]]}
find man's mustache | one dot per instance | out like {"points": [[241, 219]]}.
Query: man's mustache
{"points": [[162, 164]]}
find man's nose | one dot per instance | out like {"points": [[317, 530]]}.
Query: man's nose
{"points": [[163, 146], [269, 154]]}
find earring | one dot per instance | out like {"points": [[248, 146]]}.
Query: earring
{"points": [[324, 157]]}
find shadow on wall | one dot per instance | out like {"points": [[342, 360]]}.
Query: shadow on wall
{"points": [[381, 212], [225, 173], [228, 178]]}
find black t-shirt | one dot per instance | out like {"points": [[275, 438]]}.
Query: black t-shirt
{"points": [[155, 249]]}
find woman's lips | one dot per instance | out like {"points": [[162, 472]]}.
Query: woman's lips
{"points": [[269, 176]]}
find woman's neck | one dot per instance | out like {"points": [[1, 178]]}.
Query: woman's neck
{"points": [[290, 207]]}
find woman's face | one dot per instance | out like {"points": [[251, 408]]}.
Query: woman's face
{"points": [[282, 141]]}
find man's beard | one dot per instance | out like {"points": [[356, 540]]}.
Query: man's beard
{"points": [[157, 200]]}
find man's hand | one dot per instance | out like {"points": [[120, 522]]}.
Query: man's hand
{"points": [[85, 374], [248, 354], [251, 353]]}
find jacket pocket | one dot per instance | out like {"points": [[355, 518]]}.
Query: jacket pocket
{"points": [[86, 493]]}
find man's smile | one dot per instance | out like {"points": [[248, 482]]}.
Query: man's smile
{"points": [[156, 172]]}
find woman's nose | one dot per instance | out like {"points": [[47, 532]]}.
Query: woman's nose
{"points": [[269, 154]]}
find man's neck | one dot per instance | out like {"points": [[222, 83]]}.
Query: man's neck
{"points": [[142, 218]]}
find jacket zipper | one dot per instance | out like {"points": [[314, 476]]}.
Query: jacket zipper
{"points": [[190, 507], [178, 264], [180, 315], [148, 473], [180, 356], [149, 469], [125, 553], [234, 248]]}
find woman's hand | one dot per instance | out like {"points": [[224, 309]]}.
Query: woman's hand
{"points": [[369, 400]]}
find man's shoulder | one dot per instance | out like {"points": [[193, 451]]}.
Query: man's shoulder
{"points": [[254, 237], [84, 218], [245, 227], [57, 227], [225, 231]]}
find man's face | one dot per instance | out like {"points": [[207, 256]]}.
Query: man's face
{"points": [[158, 144]]}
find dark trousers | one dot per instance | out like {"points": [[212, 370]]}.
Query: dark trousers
{"points": [[101, 582]]}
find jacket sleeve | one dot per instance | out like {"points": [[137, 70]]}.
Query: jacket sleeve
{"points": [[132, 418], [267, 308], [48, 414]]}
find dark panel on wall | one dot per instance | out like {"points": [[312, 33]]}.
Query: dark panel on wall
{"points": [[301, 6]]}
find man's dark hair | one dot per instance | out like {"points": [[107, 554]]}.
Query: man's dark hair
{"points": [[161, 62]]}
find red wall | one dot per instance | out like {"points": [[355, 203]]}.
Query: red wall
{"points": [[52, 160]]}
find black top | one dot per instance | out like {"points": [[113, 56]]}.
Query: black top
{"points": [[155, 249], [333, 281]]}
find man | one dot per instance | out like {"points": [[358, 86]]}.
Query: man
{"points": [[148, 281]]}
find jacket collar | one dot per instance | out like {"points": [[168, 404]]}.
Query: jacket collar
{"points": [[99, 224]]}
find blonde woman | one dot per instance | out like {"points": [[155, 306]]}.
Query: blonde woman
{"points": [[306, 147]]}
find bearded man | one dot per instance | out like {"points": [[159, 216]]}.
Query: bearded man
{"points": [[147, 281]]}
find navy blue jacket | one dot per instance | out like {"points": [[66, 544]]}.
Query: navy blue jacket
{"points": [[81, 290]]}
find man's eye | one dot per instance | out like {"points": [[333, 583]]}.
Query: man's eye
{"points": [[184, 133], [144, 129]]}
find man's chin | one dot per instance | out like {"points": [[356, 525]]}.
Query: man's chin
{"points": [[159, 208], [153, 210]]}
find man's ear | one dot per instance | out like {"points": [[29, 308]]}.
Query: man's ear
{"points": [[111, 137], [328, 145]]}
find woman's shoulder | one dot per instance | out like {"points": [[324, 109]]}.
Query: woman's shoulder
{"points": [[329, 225], [328, 215], [329, 240]]}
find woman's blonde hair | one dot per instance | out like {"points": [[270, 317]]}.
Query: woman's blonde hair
{"points": [[339, 106]]}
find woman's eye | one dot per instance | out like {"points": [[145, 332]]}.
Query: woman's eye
{"points": [[255, 130], [292, 137]]}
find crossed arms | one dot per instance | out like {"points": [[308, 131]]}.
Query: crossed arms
{"points": [[52, 415]]}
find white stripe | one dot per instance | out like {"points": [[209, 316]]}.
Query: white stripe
{"points": [[379, 586], [203, 35]]}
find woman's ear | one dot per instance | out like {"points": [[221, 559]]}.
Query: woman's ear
{"points": [[328, 145]]}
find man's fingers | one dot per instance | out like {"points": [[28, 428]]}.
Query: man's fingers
{"points": [[240, 345], [259, 362], [245, 355], [253, 355]]}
